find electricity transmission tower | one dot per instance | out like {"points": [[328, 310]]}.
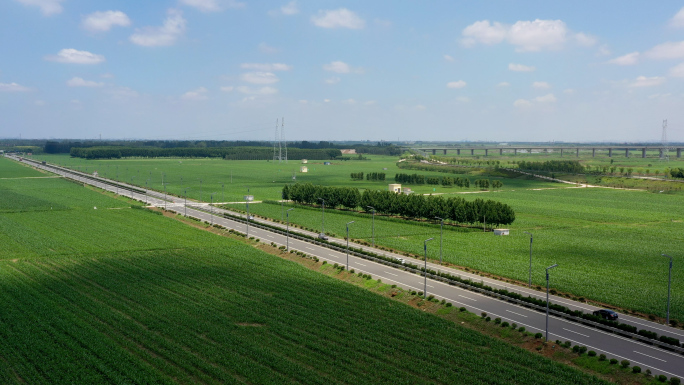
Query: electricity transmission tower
{"points": [[664, 156]]}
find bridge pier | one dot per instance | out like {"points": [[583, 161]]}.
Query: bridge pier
{"points": [[434, 152], [610, 152], [486, 152], [501, 151], [643, 152], [679, 153], [515, 151], [458, 151], [578, 152], [593, 152], [561, 152], [626, 152], [472, 151], [445, 151]]}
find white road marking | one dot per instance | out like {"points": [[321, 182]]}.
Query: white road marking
{"points": [[387, 272], [655, 358], [516, 313], [467, 298], [572, 331], [359, 263]]}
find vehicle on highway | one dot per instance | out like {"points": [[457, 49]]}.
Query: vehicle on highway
{"points": [[606, 314], [322, 236], [400, 260]]}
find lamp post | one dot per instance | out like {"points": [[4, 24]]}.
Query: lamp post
{"points": [[372, 225], [200, 190], [425, 269], [287, 214], [547, 299], [669, 282], [247, 199], [441, 227], [211, 207], [348, 223], [223, 192], [529, 283], [165, 196], [147, 186], [322, 216], [186, 202]]}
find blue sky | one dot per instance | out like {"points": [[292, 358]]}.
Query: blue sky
{"points": [[354, 70]]}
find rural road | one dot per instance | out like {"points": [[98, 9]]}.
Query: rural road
{"points": [[658, 360]]}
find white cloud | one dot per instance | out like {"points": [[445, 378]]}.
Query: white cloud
{"points": [[332, 80], [541, 85], [568, 91], [70, 55], [341, 67], [349, 101], [419, 107], [549, 98], [521, 67], [167, 34], [13, 87], [259, 77], [585, 40], [527, 36], [504, 84], [198, 94], [47, 7], [678, 20], [669, 50], [603, 51], [104, 21], [257, 91], [79, 82], [290, 8], [382, 23], [212, 5], [326, 100], [227, 88], [522, 103], [303, 101], [107, 76], [456, 84], [267, 67], [677, 71], [265, 48], [643, 81], [371, 103], [448, 58], [39, 103], [626, 60], [462, 99], [483, 32], [122, 93], [338, 18]]}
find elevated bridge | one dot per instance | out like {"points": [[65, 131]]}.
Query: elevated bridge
{"points": [[627, 150]]}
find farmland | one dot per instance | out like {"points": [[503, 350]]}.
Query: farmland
{"points": [[607, 242], [121, 295], [231, 180], [10, 169]]}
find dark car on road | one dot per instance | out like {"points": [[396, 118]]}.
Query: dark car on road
{"points": [[606, 314]]}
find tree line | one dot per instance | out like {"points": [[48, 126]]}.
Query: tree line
{"points": [[229, 153], [454, 209], [571, 166]]}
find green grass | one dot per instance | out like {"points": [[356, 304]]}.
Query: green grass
{"points": [[608, 243], [12, 169], [264, 180], [126, 296]]}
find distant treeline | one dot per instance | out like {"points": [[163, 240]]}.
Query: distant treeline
{"points": [[230, 153], [571, 166], [433, 180], [455, 209], [64, 147], [373, 176]]}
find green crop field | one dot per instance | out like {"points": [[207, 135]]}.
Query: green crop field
{"points": [[12, 169], [231, 180], [120, 295], [608, 243]]}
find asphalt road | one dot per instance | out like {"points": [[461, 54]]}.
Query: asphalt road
{"points": [[658, 360]]}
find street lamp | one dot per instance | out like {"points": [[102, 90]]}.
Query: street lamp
{"points": [[669, 282], [287, 214], [322, 216], [186, 202], [425, 270], [200, 190], [211, 207], [223, 192], [529, 283], [441, 227], [247, 199], [147, 186], [348, 223], [372, 225], [547, 299], [164, 196]]}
